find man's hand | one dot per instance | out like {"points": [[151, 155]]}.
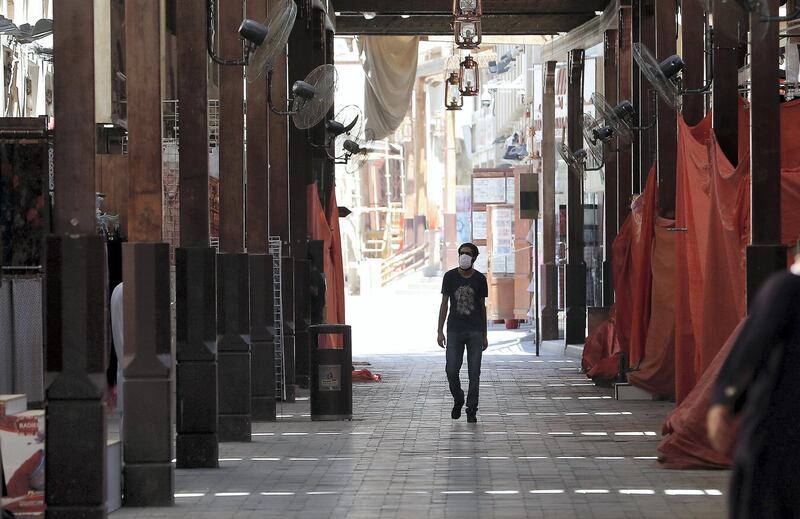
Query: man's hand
{"points": [[441, 340], [719, 423], [485, 342]]}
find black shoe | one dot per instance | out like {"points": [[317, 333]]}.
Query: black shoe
{"points": [[456, 413], [472, 417]]}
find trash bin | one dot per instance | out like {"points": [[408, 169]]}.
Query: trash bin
{"points": [[331, 374]]}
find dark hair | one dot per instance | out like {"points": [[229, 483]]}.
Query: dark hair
{"points": [[474, 247]]}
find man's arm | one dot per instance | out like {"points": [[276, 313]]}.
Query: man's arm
{"points": [[442, 316]]}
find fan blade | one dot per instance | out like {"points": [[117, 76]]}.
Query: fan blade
{"points": [[352, 125]]}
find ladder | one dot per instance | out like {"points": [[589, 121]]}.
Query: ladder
{"points": [[275, 249]]}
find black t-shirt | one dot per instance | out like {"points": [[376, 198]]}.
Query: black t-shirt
{"points": [[466, 300]]}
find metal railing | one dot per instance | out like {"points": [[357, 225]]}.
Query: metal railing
{"points": [[403, 262]]}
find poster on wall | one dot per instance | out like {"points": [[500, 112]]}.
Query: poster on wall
{"points": [[482, 263], [489, 190], [463, 213], [510, 193], [22, 443], [478, 225], [503, 240]]}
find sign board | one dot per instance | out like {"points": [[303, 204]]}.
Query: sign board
{"points": [[502, 240], [330, 377], [489, 190]]}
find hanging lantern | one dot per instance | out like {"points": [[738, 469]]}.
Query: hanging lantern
{"points": [[452, 93], [470, 78], [467, 33], [467, 8]]}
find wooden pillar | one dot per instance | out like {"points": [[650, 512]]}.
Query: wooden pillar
{"points": [[278, 152], [301, 174], [576, 266], [75, 285], [233, 276], [647, 138], [420, 160], [147, 434], [726, 77], [549, 269], [693, 27], [610, 64], [667, 129], [231, 129], [625, 157], [259, 205], [197, 441], [765, 255]]}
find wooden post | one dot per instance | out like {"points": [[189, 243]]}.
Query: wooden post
{"points": [[233, 266], [549, 269], [693, 27], [624, 91], [765, 255], [147, 434], [197, 442], [576, 266], [259, 205], [610, 65], [75, 286], [231, 130], [301, 174], [667, 129], [647, 139], [726, 77]]}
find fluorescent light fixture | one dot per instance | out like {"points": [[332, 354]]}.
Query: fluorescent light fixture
{"points": [[369, 15], [405, 16]]}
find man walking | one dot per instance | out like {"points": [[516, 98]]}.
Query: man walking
{"points": [[465, 290]]}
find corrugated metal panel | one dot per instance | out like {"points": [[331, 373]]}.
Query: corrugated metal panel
{"points": [[6, 338], [28, 338]]}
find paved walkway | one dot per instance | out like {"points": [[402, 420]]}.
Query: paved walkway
{"points": [[548, 444]]}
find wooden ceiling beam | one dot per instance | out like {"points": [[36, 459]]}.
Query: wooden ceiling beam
{"points": [[423, 7], [440, 25]]}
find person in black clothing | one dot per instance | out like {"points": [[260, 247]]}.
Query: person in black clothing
{"points": [[465, 290], [759, 382]]}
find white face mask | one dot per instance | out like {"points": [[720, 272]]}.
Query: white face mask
{"points": [[465, 261]]}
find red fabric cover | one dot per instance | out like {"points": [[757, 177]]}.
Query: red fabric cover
{"points": [[336, 261], [319, 228], [686, 445], [365, 375], [626, 330], [656, 372], [714, 203]]}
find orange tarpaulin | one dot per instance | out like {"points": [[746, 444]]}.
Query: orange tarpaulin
{"points": [[714, 205], [326, 229], [626, 330]]}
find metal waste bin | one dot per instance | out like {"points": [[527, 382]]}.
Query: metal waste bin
{"points": [[331, 374]]}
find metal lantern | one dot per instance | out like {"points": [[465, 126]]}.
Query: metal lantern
{"points": [[470, 78], [467, 33], [467, 8], [452, 93]]}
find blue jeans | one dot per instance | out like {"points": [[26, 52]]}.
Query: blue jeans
{"points": [[456, 342]]}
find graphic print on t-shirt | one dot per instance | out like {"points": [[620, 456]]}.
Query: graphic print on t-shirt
{"points": [[465, 300]]}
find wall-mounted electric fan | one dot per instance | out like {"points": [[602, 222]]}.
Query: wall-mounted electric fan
{"points": [[589, 158], [311, 98], [348, 125], [665, 76], [358, 151], [251, 32], [279, 27]]}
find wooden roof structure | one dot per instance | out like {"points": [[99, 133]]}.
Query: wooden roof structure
{"points": [[433, 17]]}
